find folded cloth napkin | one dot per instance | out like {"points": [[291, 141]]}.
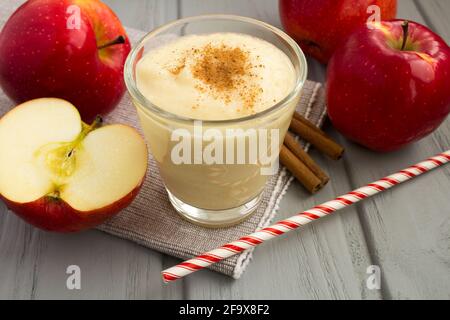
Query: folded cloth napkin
{"points": [[152, 222]]}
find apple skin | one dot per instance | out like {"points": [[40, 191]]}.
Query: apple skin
{"points": [[41, 57], [320, 26], [384, 98], [55, 215]]}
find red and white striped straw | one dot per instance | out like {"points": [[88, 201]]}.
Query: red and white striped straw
{"points": [[301, 219]]}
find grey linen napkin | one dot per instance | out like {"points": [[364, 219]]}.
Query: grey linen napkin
{"points": [[152, 222]]}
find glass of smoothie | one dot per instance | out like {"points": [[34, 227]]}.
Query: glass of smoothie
{"points": [[215, 96]]}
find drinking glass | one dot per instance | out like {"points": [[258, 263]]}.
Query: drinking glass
{"points": [[214, 195]]}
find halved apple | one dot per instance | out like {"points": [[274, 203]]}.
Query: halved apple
{"points": [[62, 175]]}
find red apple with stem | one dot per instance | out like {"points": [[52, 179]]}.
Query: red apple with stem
{"points": [[69, 49], [388, 85], [320, 26], [62, 175]]}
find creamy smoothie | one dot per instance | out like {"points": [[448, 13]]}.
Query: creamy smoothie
{"points": [[216, 77], [212, 77]]}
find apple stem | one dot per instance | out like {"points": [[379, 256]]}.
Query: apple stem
{"points": [[86, 130], [97, 123], [405, 26], [119, 40]]}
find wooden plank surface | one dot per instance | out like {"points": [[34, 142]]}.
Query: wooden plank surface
{"points": [[405, 232], [407, 229], [145, 15]]}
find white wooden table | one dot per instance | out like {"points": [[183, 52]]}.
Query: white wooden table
{"points": [[406, 232]]}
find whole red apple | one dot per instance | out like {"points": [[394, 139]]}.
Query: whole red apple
{"points": [[389, 84], [69, 49], [320, 26]]}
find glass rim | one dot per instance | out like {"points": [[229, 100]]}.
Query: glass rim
{"points": [[148, 105]]}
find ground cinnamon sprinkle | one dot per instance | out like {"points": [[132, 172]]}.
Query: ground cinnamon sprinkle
{"points": [[221, 67], [224, 72], [179, 67]]}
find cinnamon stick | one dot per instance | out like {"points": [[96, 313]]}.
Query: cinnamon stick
{"points": [[308, 123], [299, 170], [297, 150], [316, 137]]}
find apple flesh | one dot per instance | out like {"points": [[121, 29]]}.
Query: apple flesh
{"points": [[389, 85], [44, 53], [62, 175], [320, 26]]}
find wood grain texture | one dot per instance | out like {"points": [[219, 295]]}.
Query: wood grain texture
{"points": [[435, 14], [266, 10], [405, 232], [144, 15], [407, 229]]}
